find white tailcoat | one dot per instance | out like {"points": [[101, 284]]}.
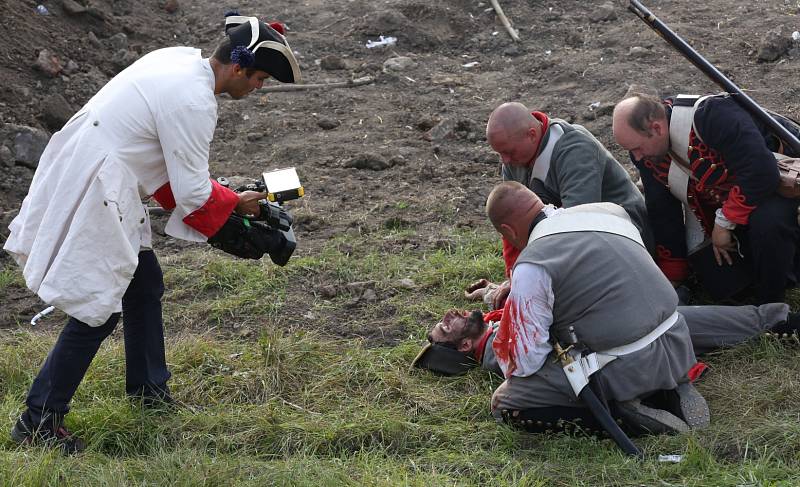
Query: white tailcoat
{"points": [[82, 224]]}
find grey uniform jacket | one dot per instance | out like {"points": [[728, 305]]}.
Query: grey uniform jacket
{"points": [[609, 289], [574, 168]]}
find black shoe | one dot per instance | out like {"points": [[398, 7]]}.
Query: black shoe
{"points": [[650, 420], [787, 329], [47, 435], [156, 402]]}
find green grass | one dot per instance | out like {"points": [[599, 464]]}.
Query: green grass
{"points": [[297, 406]]}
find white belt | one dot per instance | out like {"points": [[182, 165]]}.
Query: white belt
{"points": [[579, 371]]}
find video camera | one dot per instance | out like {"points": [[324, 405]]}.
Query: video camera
{"points": [[271, 231]]}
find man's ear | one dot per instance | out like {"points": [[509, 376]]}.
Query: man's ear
{"points": [[237, 70], [466, 345], [508, 232], [658, 127]]}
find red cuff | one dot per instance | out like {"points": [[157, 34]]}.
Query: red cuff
{"points": [[674, 268], [698, 370], [164, 197], [735, 209], [210, 217], [510, 255]]}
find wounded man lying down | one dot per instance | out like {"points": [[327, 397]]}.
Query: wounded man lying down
{"points": [[463, 340]]}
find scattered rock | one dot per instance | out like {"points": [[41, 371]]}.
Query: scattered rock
{"points": [[398, 64], [358, 287], [406, 283], [440, 131], [56, 110], [48, 63], [374, 162], [773, 46], [6, 156], [29, 143], [118, 42], [328, 291], [387, 22], [597, 110], [638, 52], [93, 40], [426, 123], [511, 51], [171, 6], [326, 123], [369, 296], [124, 58], [71, 68], [603, 13], [332, 63], [72, 7]]}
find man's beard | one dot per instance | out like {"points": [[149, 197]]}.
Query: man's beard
{"points": [[475, 327]]}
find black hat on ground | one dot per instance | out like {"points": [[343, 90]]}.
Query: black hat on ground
{"points": [[444, 360], [262, 46]]}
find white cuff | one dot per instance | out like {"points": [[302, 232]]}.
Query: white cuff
{"points": [[723, 222]]}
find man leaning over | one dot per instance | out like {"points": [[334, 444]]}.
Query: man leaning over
{"points": [[561, 162], [82, 236], [584, 273]]}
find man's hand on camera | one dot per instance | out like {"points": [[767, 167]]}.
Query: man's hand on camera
{"points": [[248, 203]]}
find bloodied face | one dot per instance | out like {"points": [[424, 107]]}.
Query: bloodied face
{"points": [[458, 329]]}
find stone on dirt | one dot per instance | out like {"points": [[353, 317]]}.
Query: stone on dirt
{"points": [[398, 64], [29, 143], [441, 130], [369, 296], [48, 63], [6, 156], [123, 58], [773, 46], [328, 291], [72, 7], [56, 110], [93, 40], [406, 283], [603, 13], [71, 68], [118, 41], [332, 63], [374, 162], [638, 52], [171, 6], [326, 123]]}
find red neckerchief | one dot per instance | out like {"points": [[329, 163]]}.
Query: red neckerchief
{"points": [[487, 317], [545, 120], [478, 351]]}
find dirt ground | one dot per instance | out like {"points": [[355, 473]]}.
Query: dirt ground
{"points": [[415, 137]]}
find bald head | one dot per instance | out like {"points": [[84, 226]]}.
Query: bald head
{"points": [[640, 125], [510, 119], [514, 133], [512, 207]]}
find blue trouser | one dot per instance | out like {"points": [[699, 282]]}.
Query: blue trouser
{"points": [[146, 371], [773, 235]]}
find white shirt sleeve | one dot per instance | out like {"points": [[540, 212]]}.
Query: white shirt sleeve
{"points": [[185, 135], [524, 329]]}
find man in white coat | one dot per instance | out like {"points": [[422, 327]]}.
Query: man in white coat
{"points": [[82, 236]]}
